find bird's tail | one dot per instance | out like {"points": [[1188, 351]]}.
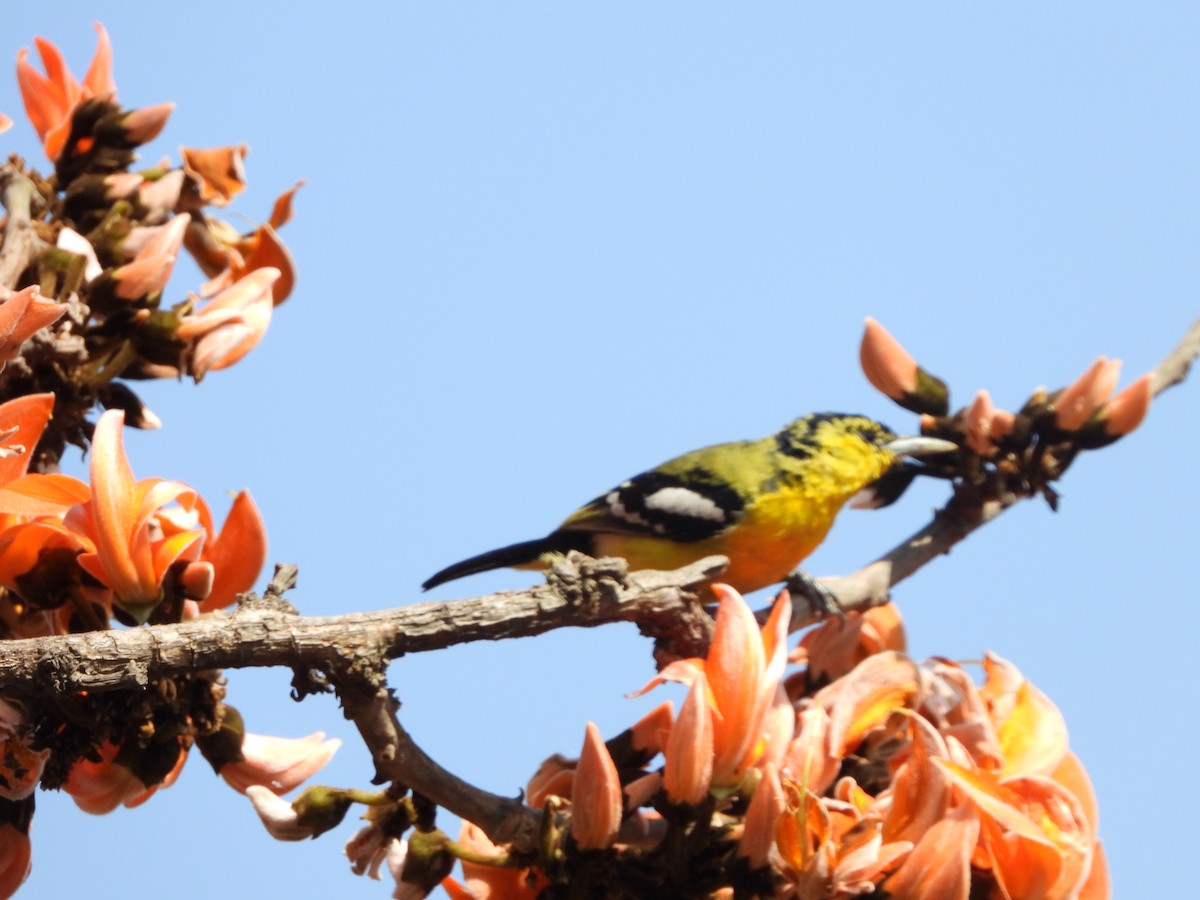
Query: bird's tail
{"points": [[521, 554]]}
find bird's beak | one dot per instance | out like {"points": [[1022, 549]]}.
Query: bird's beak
{"points": [[887, 489], [920, 446]]}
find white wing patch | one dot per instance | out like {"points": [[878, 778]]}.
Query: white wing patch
{"points": [[681, 501], [618, 510]]}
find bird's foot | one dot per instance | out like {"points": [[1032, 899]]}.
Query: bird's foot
{"points": [[823, 601]]}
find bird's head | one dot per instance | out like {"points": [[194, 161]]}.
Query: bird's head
{"points": [[864, 458]]}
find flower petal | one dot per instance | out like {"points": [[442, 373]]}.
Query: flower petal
{"points": [[939, 866], [238, 553]]}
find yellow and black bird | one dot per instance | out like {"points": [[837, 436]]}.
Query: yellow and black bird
{"points": [[764, 504]]}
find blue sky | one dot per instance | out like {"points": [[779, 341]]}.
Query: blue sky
{"points": [[546, 246]]}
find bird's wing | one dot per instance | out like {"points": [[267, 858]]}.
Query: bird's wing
{"points": [[686, 505]]}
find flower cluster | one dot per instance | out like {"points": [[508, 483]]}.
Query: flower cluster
{"points": [[862, 771], [1085, 415], [104, 240], [86, 255], [75, 555]]}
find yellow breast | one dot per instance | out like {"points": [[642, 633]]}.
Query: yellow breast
{"points": [[774, 535]]}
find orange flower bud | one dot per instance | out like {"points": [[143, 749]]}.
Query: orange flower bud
{"points": [[143, 125], [596, 800], [1075, 405], [1125, 412], [888, 366], [893, 371], [1120, 415], [977, 423], [687, 773]]}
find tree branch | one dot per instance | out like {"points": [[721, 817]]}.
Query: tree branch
{"points": [[1175, 365], [969, 509], [351, 652], [582, 593], [399, 760], [20, 245]]}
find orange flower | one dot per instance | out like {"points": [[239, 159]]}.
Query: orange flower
{"points": [[454, 890], [956, 708], [218, 172], [20, 766], [809, 757], [829, 847], [22, 421], [840, 643], [743, 671], [15, 850], [596, 800], [1002, 747], [939, 866], [920, 791], [226, 256], [100, 786], [130, 558], [1033, 736], [833, 723], [42, 495], [864, 700], [1097, 886], [985, 425], [32, 535], [230, 325], [50, 99], [279, 764], [37, 565], [1033, 830], [150, 270], [157, 240], [236, 553], [494, 882], [22, 314]]}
